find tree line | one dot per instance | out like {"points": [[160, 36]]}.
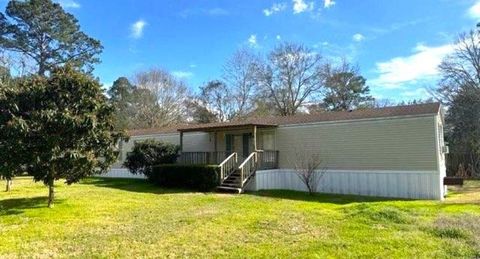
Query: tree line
{"points": [[290, 79], [459, 90]]}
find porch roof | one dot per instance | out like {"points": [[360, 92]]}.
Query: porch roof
{"points": [[225, 126]]}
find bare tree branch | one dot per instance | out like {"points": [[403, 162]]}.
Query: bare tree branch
{"points": [[310, 169], [292, 76]]}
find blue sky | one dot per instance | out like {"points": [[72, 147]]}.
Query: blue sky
{"points": [[397, 44]]}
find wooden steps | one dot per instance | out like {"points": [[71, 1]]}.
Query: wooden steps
{"points": [[233, 182]]}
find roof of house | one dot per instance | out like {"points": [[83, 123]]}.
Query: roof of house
{"points": [[273, 121]]}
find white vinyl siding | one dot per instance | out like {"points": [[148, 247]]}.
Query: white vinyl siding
{"points": [[197, 141]]}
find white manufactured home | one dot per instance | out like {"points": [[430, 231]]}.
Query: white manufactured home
{"points": [[389, 152]]}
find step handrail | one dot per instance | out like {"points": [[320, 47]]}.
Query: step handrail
{"points": [[227, 166], [247, 168], [246, 159]]}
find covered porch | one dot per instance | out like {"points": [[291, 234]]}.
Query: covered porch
{"points": [[241, 139]]}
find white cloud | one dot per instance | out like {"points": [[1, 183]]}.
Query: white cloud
{"points": [[358, 37], [474, 11], [252, 41], [278, 37], [328, 3], [421, 66], [182, 74], [69, 4], [419, 93], [300, 6], [192, 65], [276, 7], [136, 29]]}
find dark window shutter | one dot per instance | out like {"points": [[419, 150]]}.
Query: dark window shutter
{"points": [[246, 145], [228, 143]]}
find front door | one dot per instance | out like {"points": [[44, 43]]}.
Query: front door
{"points": [[239, 144]]}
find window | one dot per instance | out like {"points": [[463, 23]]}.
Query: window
{"points": [[268, 141]]}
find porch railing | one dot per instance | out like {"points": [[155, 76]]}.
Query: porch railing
{"points": [[212, 158], [248, 168], [267, 159], [228, 166]]}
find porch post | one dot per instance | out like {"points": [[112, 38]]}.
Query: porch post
{"points": [[181, 141], [255, 138], [215, 154], [215, 141]]}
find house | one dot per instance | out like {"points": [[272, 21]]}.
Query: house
{"points": [[389, 152]]}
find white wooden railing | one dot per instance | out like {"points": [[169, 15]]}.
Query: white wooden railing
{"points": [[228, 166], [247, 168]]}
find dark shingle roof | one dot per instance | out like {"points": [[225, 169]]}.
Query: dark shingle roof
{"points": [[272, 121]]}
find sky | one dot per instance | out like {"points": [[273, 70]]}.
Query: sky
{"points": [[397, 44]]}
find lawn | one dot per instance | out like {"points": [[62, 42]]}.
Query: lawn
{"points": [[131, 218]]}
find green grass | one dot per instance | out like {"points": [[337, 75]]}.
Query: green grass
{"points": [[131, 218]]}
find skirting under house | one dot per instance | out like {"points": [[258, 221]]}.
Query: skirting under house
{"points": [[410, 185]]}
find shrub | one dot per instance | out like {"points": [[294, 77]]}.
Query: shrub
{"points": [[150, 153], [193, 177]]}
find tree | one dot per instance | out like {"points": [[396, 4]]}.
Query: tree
{"points": [[463, 120], [217, 98], [134, 107], [199, 113], [308, 168], [62, 125], [292, 76], [50, 37], [461, 69], [121, 95], [459, 88], [234, 96], [10, 150], [240, 74], [121, 90], [345, 88], [168, 95], [416, 101]]}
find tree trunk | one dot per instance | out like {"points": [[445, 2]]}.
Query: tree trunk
{"points": [[41, 69], [8, 185], [51, 193]]}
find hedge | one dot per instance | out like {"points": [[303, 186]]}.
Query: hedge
{"points": [[193, 177]]}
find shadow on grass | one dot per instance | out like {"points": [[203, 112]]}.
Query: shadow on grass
{"points": [[19, 205], [131, 185], [322, 197]]}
